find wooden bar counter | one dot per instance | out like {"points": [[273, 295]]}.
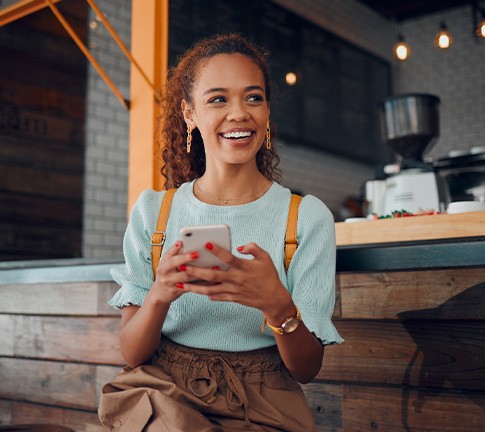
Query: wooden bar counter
{"points": [[410, 305]]}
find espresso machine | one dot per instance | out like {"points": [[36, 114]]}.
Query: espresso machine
{"points": [[410, 127]]}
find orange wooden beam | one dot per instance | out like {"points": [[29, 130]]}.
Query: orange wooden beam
{"points": [[20, 9], [149, 44]]}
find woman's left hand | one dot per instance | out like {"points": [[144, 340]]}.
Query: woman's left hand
{"points": [[251, 282]]}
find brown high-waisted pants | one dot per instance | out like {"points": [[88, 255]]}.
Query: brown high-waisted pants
{"points": [[195, 390]]}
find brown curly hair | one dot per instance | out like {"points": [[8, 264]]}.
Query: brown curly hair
{"points": [[178, 165]]}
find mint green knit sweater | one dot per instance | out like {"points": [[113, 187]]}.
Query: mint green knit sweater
{"points": [[194, 320]]}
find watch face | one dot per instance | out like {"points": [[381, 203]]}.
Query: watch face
{"points": [[290, 325]]}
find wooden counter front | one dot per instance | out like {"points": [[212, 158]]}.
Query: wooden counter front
{"points": [[414, 228]]}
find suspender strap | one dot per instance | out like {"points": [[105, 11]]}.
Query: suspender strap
{"points": [[158, 237], [291, 242]]}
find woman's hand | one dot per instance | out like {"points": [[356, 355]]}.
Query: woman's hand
{"points": [[169, 280], [251, 282], [256, 283]]}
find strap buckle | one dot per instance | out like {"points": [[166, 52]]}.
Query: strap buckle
{"points": [[155, 240]]}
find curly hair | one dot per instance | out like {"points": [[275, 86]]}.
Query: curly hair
{"points": [[178, 165]]}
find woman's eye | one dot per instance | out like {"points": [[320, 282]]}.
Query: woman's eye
{"points": [[217, 99], [255, 98]]}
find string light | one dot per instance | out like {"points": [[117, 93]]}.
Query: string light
{"points": [[401, 49], [290, 78], [443, 38]]}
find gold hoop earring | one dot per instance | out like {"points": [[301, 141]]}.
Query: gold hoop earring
{"points": [[189, 138], [268, 136]]}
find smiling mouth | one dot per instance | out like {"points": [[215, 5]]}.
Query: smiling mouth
{"points": [[236, 135]]}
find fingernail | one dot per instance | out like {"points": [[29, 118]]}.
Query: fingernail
{"points": [[209, 246], [240, 248], [182, 267], [216, 268], [180, 285], [178, 244], [194, 255]]}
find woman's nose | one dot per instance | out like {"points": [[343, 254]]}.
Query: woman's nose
{"points": [[238, 112]]}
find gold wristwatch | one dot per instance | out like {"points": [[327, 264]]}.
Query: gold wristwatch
{"points": [[289, 324]]}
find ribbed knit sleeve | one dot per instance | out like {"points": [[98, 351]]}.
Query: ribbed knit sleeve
{"points": [[311, 275], [136, 276]]}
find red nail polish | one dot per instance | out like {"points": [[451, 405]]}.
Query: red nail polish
{"points": [[182, 267], [180, 285], [194, 255], [240, 248], [216, 268], [209, 246], [178, 244]]}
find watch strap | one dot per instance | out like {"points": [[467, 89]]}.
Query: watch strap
{"points": [[280, 330]]}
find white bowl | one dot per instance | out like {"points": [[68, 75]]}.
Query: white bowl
{"points": [[465, 206]]}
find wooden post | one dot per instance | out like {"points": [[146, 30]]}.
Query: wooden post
{"points": [[149, 45]]}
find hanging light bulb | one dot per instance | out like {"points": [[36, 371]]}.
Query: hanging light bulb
{"points": [[401, 49], [443, 38], [480, 30]]}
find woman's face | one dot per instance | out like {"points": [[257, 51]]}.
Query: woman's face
{"points": [[229, 108]]}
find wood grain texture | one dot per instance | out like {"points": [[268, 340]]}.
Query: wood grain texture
{"points": [[13, 412], [74, 298], [440, 354], [325, 401], [396, 409], [439, 226], [434, 294], [71, 385], [73, 339]]}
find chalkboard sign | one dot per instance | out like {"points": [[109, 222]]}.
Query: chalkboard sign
{"points": [[334, 104]]}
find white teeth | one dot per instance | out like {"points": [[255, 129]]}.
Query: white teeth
{"points": [[236, 134]]}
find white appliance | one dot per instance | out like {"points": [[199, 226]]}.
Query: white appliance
{"points": [[412, 190]]}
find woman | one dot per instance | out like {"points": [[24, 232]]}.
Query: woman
{"points": [[197, 357]]}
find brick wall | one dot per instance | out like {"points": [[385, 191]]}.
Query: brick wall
{"points": [[455, 75], [106, 176]]}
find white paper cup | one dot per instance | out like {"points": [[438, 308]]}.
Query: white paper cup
{"points": [[465, 206]]}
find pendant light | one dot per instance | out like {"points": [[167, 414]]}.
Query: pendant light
{"points": [[401, 49], [443, 38]]}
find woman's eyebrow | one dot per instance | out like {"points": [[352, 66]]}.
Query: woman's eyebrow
{"points": [[225, 90]]}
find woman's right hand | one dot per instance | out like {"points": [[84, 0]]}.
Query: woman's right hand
{"points": [[148, 319], [169, 280]]}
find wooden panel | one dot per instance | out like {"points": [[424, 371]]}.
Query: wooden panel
{"points": [[83, 298], [71, 385], [46, 183], [53, 383], [411, 228], [38, 210], [12, 412], [28, 241], [39, 127], [326, 402], [396, 409], [441, 354], [83, 339], [443, 294], [35, 97]]}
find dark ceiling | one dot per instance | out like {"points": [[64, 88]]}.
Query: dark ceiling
{"points": [[401, 10]]}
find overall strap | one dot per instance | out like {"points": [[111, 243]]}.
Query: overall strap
{"points": [[158, 237], [291, 242]]}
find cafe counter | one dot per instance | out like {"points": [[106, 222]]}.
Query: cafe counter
{"points": [[411, 307]]}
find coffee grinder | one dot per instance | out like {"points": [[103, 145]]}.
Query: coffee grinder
{"points": [[410, 127]]}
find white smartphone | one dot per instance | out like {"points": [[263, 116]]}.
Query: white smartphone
{"points": [[195, 238]]}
